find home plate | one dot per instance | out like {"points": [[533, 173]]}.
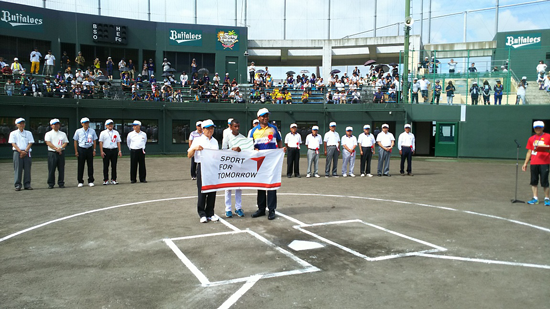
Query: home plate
{"points": [[299, 245]]}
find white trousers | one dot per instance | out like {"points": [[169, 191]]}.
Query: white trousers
{"points": [[238, 194]]}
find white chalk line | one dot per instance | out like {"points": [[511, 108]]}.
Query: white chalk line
{"points": [[202, 278], [240, 292], [458, 258]]}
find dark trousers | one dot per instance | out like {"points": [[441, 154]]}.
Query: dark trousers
{"points": [[21, 165], [332, 157], [85, 156], [366, 159], [251, 74], [414, 97], [206, 201], [486, 100], [137, 157], [269, 196], [193, 168], [475, 100], [398, 97], [406, 155], [498, 98], [436, 98], [56, 161], [293, 161], [111, 156]]}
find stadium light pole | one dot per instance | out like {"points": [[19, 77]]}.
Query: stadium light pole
{"points": [[405, 75]]}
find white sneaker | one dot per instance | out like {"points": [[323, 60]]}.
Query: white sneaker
{"points": [[317, 176], [203, 220], [344, 175], [362, 175], [351, 175], [91, 184], [114, 182], [106, 182], [215, 218], [370, 175], [308, 175], [80, 185]]}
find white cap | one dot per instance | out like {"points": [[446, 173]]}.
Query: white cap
{"points": [[366, 127], [349, 128], [216, 73], [332, 124], [293, 126], [109, 121], [386, 125], [136, 123], [525, 77], [199, 123], [407, 126], [315, 128], [263, 111], [474, 83], [18, 120], [226, 73], [54, 121], [207, 124], [85, 119], [255, 121], [229, 120], [15, 59], [536, 124]]}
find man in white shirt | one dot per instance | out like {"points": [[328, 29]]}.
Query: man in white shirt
{"points": [[136, 141], [415, 88], [367, 144], [49, 63], [109, 146], [206, 201], [251, 72], [349, 143], [292, 142], [385, 141], [407, 147], [452, 66], [35, 61], [193, 136], [21, 141], [85, 140], [424, 84], [57, 141], [397, 83], [313, 143], [331, 144], [227, 132], [235, 142]]}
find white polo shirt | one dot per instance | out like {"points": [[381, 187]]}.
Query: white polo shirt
{"points": [[366, 140], [21, 139], [49, 59], [206, 143], [314, 142], [110, 139], [293, 140], [56, 138], [385, 138], [332, 138], [136, 140], [406, 140], [424, 83], [349, 141]]}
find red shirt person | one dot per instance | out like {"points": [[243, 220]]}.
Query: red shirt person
{"points": [[538, 147]]}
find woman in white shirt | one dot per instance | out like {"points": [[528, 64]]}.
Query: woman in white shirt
{"points": [[206, 201]]}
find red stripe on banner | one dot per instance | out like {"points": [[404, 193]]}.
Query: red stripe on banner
{"points": [[241, 184]]}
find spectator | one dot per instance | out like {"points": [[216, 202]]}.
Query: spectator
{"points": [[498, 88], [356, 97], [184, 79], [474, 93], [424, 84], [379, 96], [65, 61], [541, 68], [547, 83], [49, 63], [251, 72], [521, 93], [9, 88], [97, 65], [415, 87], [397, 84], [35, 61], [486, 93], [80, 61], [122, 67], [450, 89], [437, 92], [16, 67], [26, 89], [305, 97], [110, 66], [144, 70], [194, 68], [330, 98], [166, 65], [150, 68], [472, 68]]}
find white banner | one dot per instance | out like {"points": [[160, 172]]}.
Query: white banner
{"points": [[248, 169]]}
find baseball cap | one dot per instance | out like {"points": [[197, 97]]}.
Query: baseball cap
{"points": [[366, 127], [315, 128], [524, 77], [229, 120], [293, 126], [349, 128], [407, 125], [198, 124], [385, 125], [332, 124], [15, 59], [208, 123], [85, 119], [109, 121], [18, 120], [536, 124], [54, 121], [263, 111], [474, 83], [136, 123], [255, 121]]}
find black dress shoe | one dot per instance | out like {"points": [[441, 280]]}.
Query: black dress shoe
{"points": [[62, 186], [29, 188], [379, 175], [288, 176], [50, 187], [298, 176], [133, 181], [271, 215], [258, 213], [387, 175], [145, 181], [17, 189]]}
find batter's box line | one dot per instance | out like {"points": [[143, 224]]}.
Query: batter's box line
{"points": [[205, 282], [360, 255]]}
